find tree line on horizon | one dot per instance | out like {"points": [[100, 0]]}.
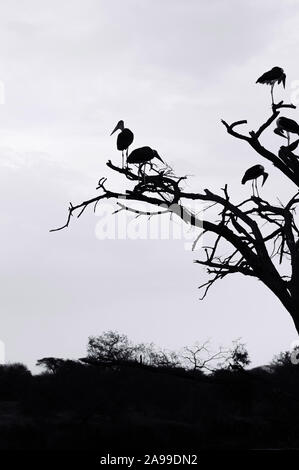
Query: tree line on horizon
{"points": [[123, 392]]}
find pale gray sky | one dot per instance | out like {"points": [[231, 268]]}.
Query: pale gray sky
{"points": [[171, 70]]}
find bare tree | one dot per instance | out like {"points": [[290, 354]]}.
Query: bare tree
{"points": [[261, 236], [200, 357]]}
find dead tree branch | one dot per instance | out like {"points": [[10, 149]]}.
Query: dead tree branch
{"points": [[261, 237]]}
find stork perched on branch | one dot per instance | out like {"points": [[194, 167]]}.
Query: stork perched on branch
{"points": [[286, 125], [253, 173], [142, 156], [275, 75], [124, 139]]}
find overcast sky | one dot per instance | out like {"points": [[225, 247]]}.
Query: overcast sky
{"points": [[171, 69]]}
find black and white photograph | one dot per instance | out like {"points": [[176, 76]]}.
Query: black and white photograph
{"points": [[149, 201]]}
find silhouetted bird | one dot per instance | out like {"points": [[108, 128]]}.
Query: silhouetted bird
{"points": [[124, 139], [286, 152], [142, 156], [275, 75], [287, 125], [253, 173]]}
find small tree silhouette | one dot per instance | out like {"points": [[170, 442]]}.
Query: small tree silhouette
{"points": [[110, 347], [51, 364], [56, 364], [260, 234], [239, 356]]}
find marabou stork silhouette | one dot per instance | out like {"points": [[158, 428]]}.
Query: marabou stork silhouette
{"points": [[253, 173], [275, 75], [287, 125], [287, 152], [124, 139], [142, 156]]}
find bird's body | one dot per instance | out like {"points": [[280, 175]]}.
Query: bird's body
{"points": [[124, 139], [275, 75], [253, 173], [143, 155], [286, 125]]}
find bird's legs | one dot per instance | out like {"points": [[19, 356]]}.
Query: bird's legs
{"points": [[253, 188], [272, 86], [122, 159], [257, 191], [142, 167], [288, 137]]}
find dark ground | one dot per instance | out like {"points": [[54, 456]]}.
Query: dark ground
{"points": [[84, 407]]}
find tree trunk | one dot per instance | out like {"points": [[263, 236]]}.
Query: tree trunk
{"points": [[289, 297]]}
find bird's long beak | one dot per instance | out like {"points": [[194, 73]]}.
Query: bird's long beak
{"points": [[293, 145], [117, 127], [158, 157], [284, 80], [265, 176], [279, 132]]}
